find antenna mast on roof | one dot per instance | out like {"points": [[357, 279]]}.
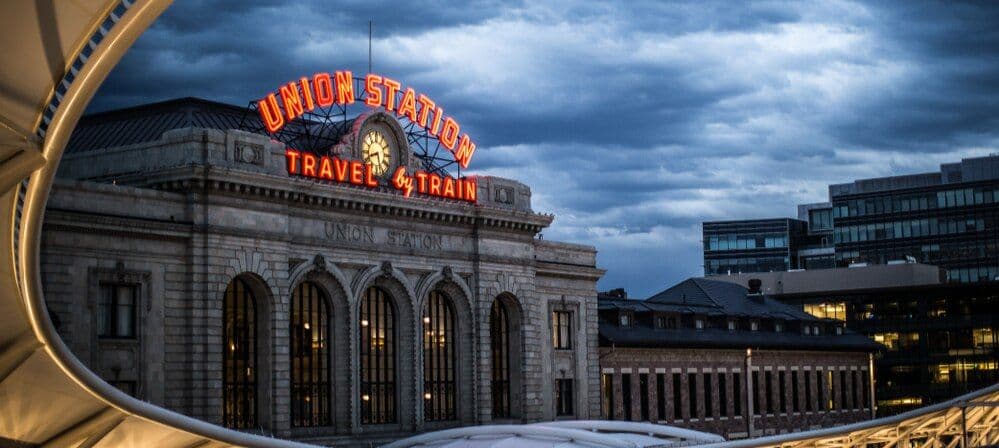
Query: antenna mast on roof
{"points": [[369, 46]]}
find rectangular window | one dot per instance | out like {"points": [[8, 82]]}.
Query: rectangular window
{"points": [[722, 396], [692, 394], [794, 391], [643, 399], [564, 397], [677, 408], [737, 393], [708, 402], [830, 405], [661, 395], [607, 397], [853, 389], [769, 378], [808, 391], [757, 407], [116, 310], [865, 392], [819, 390], [844, 390], [562, 329], [782, 389], [626, 395]]}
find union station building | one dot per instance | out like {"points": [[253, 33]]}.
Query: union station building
{"points": [[185, 265]]}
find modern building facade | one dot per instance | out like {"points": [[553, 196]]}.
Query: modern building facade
{"points": [[718, 357], [184, 264], [759, 245], [939, 338], [948, 218]]}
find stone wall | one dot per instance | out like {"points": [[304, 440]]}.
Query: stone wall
{"points": [[186, 225]]}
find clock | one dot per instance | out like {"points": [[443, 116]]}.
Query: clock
{"points": [[375, 151]]}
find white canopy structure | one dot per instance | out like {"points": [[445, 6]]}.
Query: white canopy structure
{"points": [[575, 433], [55, 55]]}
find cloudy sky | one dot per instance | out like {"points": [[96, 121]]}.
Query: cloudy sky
{"points": [[633, 121]]}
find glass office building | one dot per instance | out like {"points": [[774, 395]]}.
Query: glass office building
{"points": [[939, 341], [749, 246], [948, 218]]}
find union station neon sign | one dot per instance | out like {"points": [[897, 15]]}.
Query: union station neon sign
{"points": [[295, 99]]}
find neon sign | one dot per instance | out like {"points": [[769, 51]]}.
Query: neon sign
{"points": [[355, 172], [326, 89], [293, 100]]}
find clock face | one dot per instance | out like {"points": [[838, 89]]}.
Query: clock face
{"points": [[376, 152]]}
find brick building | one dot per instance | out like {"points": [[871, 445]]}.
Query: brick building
{"points": [[718, 357], [184, 265]]}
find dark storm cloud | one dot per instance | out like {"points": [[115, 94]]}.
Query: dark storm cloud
{"points": [[633, 121]]}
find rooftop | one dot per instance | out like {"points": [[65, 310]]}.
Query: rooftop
{"points": [[148, 122], [967, 170], [715, 303]]}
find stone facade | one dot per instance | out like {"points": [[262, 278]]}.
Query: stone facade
{"points": [[183, 215], [812, 411]]}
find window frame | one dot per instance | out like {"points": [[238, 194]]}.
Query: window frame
{"points": [[562, 318], [114, 306]]}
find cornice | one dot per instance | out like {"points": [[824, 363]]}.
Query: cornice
{"points": [[302, 192]]}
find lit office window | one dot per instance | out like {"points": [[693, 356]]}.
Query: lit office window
{"points": [[562, 329], [309, 332], [439, 391], [500, 347], [239, 360], [564, 397], [377, 362], [116, 310], [830, 310]]}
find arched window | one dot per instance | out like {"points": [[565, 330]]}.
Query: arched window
{"points": [[439, 392], [377, 363], [499, 339], [239, 366], [309, 332]]}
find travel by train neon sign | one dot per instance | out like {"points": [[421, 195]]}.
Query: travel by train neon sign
{"points": [[295, 99]]}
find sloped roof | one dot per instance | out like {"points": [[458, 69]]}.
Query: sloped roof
{"points": [[714, 297], [148, 122]]}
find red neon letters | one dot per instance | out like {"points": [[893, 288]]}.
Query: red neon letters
{"points": [[322, 90], [355, 172]]}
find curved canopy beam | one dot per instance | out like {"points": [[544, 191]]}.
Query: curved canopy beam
{"points": [[56, 54]]}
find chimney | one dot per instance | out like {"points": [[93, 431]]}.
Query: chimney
{"points": [[755, 290]]}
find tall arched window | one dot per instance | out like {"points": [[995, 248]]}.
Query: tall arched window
{"points": [[377, 363], [309, 332], [239, 365], [439, 392], [499, 339]]}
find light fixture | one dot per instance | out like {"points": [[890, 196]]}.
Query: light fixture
{"points": [[426, 319], [307, 326], [427, 396], [366, 397], [364, 322]]}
